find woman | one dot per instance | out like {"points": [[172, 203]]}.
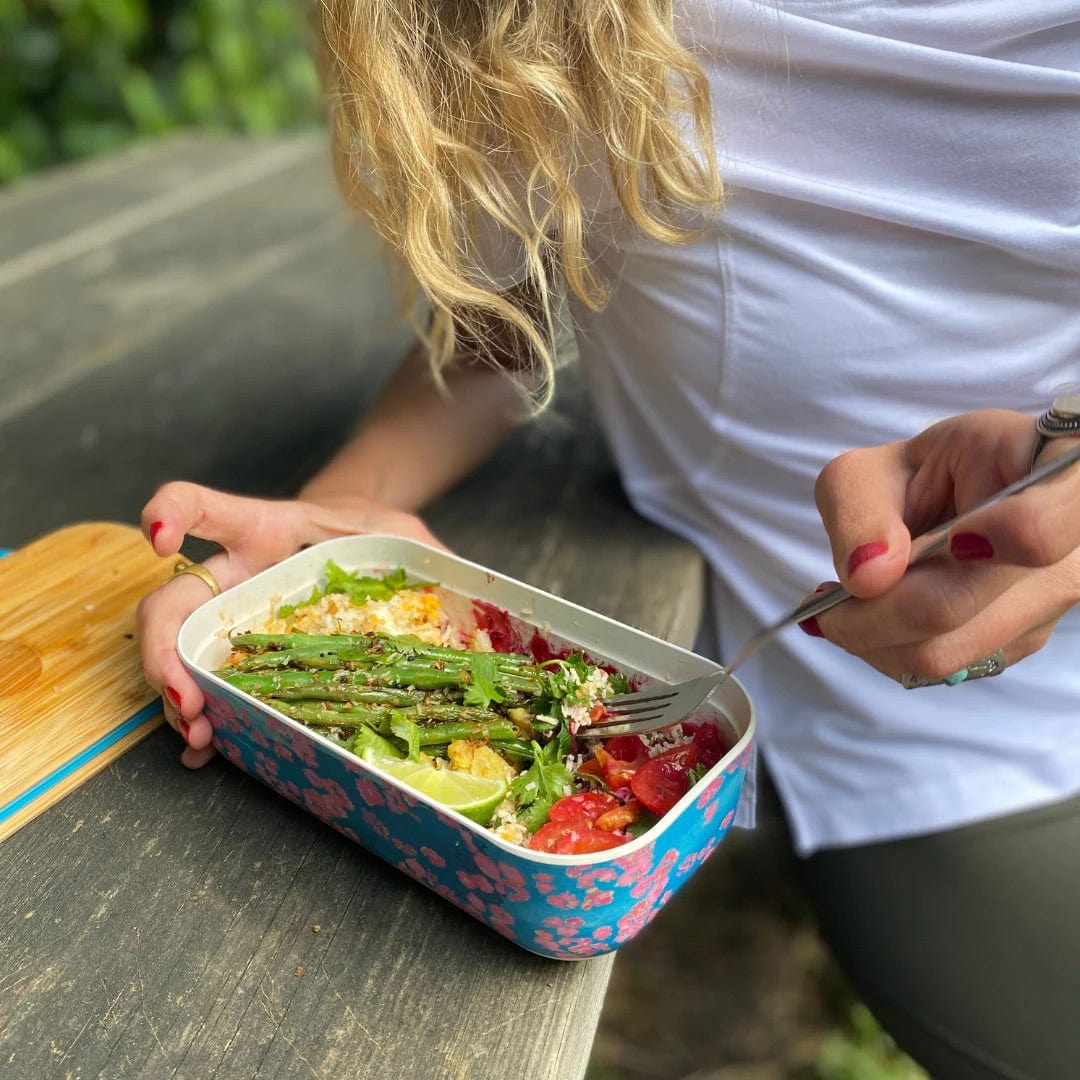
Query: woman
{"points": [[895, 241]]}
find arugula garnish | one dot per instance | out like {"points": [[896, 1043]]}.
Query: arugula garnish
{"points": [[487, 681], [357, 587], [545, 781], [408, 731]]}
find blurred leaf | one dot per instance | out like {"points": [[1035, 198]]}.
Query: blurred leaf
{"points": [[182, 33], [234, 56], [12, 13], [13, 162], [125, 19], [199, 93], [863, 1051], [257, 111], [30, 135], [144, 103], [277, 19], [301, 77], [32, 47]]}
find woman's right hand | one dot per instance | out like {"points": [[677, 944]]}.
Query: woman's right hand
{"points": [[253, 534]]}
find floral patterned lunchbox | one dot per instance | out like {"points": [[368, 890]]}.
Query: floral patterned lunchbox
{"points": [[567, 907]]}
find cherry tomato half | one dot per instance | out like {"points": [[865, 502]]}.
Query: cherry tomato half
{"points": [[627, 748], [615, 772], [596, 840], [585, 806], [663, 780], [564, 838], [548, 836], [710, 745]]}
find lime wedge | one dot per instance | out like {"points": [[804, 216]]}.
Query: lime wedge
{"points": [[474, 796]]}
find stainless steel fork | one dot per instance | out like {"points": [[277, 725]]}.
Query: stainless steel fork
{"points": [[661, 706]]}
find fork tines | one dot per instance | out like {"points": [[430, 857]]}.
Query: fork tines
{"points": [[636, 704], [652, 708], [624, 725]]}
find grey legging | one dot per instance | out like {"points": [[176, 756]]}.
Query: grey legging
{"points": [[965, 944]]}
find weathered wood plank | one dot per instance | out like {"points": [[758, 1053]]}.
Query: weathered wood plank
{"points": [[153, 923], [41, 210], [84, 305], [248, 390]]}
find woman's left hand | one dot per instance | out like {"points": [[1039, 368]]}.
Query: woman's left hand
{"points": [[1009, 574]]}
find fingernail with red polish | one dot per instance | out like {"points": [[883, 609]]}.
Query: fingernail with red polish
{"points": [[966, 546], [155, 528], [810, 626], [173, 696], [864, 553], [185, 727]]}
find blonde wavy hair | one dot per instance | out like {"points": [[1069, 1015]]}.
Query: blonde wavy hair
{"points": [[447, 113]]}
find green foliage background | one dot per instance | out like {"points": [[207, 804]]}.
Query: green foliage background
{"points": [[80, 77]]}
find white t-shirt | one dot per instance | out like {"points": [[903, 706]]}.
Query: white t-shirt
{"points": [[901, 243]]}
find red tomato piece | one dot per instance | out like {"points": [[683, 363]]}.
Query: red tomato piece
{"points": [[573, 838], [627, 748], [546, 837], [591, 767], [616, 773], [585, 806], [663, 780], [595, 840], [710, 745]]}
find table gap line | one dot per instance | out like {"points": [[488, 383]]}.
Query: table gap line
{"points": [[262, 265], [155, 210]]}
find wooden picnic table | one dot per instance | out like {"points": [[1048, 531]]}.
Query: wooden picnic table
{"points": [[203, 308]]}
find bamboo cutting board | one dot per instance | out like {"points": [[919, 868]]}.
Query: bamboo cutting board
{"points": [[72, 693]]}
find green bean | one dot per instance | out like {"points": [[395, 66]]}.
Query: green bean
{"points": [[277, 642], [293, 684], [446, 721]]}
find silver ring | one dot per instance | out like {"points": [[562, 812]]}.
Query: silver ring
{"points": [[994, 664], [1061, 420]]}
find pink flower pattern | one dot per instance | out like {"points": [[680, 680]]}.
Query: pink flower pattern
{"points": [[369, 791], [597, 898], [502, 920], [545, 883], [433, 857], [563, 900], [266, 769], [551, 906], [325, 798]]}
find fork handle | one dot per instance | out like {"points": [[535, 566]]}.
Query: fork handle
{"points": [[929, 543]]}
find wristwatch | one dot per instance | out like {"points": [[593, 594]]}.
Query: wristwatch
{"points": [[1061, 419]]}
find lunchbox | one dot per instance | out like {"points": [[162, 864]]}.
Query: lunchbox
{"points": [[567, 907]]}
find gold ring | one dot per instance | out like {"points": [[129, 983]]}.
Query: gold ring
{"points": [[200, 572]]}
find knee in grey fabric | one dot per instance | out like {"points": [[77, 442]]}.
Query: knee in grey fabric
{"points": [[965, 944]]}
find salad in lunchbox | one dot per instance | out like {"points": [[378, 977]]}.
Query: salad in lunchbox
{"points": [[375, 665]]}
